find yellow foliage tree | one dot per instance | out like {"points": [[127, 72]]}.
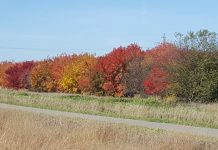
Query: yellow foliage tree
{"points": [[57, 67], [77, 75]]}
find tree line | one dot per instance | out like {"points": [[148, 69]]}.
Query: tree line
{"points": [[186, 69]]}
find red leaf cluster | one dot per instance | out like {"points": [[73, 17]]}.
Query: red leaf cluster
{"points": [[156, 82], [17, 76], [113, 66]]}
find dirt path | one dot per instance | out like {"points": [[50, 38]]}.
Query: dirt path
{"points": [[165, 126]]}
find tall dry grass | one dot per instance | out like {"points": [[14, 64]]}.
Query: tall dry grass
{"points": [[196, 114], [27, 131]]}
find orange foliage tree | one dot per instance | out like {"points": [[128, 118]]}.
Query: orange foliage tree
{"points": [[3, 67], [41, 77]]}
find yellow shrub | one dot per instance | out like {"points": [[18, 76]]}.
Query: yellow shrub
{"points": [[170, 99]]}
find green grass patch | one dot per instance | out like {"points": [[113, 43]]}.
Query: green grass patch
{"points": [[22, 94]]}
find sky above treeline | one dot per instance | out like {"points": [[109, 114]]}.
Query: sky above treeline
{"points": [[37, 29]]}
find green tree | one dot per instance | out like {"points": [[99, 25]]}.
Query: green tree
{"points": [[196, 72]]}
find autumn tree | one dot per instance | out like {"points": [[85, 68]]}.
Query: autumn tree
{"points": [[163, 55], [77, 75], [57, 69], [41, 77], [156, 82], [160, 62], [3, 67], [113, 66], [17, 76]]}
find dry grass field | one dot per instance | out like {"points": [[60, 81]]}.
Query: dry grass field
{"points": [[151, 109], [28, 131]]}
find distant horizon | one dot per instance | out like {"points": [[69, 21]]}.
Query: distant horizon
{"points": [[35, 30], [63, 53]]}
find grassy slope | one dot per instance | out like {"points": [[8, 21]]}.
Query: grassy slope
{"points": [[22, 130], [151, 109]]}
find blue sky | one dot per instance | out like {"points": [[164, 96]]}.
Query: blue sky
{"points": [[37, 29]]}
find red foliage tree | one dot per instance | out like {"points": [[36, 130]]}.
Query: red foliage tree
{"points": [[112, 67], [160, 61], [156, 82], [17, 76]]}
